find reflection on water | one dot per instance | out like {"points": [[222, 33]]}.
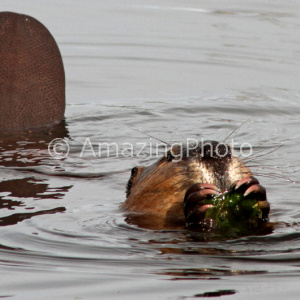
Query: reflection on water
{"points": [[173, 70], [15, 218], [21, 150], [29, 148], [208, 274], [212, 294]]}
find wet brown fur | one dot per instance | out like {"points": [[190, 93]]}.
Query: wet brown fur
{"points": [[157, 192]]}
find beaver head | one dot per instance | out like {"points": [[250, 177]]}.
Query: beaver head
{"points": [[159, 190]]}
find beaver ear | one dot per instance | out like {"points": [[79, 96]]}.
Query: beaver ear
{"points": [[169, 156], [134, 172]]}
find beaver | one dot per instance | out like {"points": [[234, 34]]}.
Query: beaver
{"points": [[32, 77], [171, 192]]}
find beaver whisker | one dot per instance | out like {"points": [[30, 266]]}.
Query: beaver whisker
{"points": [[246, 172], [177, 130], [236, 129], [268, 167], [277, 176], [255, 156], [151, 136], [262, 166]]}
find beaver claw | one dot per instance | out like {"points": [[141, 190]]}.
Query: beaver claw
{"points": [[195, 209], [250, 188]]}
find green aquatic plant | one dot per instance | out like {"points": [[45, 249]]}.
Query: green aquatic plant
{"points": [[232, 213]]}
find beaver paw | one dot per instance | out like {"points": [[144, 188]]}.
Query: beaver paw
{"points": [[194, 208], [250, 188], [197, 202]]}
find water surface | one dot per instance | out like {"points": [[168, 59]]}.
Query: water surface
{"points": [[175, 70]]}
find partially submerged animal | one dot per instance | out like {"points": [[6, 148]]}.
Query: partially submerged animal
{"points": [[184, 192]]}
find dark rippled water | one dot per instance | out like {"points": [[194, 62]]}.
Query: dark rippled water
{"points": [[175, 70]]}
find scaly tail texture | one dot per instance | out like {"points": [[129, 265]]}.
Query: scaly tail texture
{"points": [[32, 78]]}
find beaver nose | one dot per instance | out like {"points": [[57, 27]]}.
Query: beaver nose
{"points": [[213, 149]]}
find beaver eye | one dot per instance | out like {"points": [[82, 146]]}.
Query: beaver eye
{"points": [[169, 156], [134, 171]]}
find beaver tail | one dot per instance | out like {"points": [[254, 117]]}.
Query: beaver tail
{"points": [[32, 77]]}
